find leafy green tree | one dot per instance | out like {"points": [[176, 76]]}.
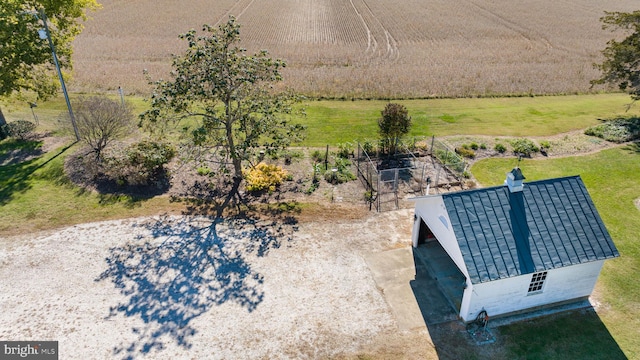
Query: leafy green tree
{"points": [[25, 59], [621, 65], [393, 125], [229, 94]]}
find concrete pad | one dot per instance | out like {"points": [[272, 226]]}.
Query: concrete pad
{"points": [[393, 272]]}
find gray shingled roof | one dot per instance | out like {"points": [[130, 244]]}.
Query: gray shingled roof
{"points": [[550, 224]]}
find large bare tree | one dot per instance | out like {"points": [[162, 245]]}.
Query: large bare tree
{"points": [[100, 121]]}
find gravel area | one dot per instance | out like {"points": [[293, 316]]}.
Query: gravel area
{"points": [[184, 287]]}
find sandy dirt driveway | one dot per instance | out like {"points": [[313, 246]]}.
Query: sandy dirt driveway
{"points": [[184, 287]]}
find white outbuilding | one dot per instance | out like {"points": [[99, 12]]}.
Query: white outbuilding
{"points": [[517, 247]]}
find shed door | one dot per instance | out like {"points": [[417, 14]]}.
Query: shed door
{"points": [[450, 280]]}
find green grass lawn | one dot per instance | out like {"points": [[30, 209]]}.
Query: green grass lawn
{"points": [[335, 122], [36, 195], [612, 178]]}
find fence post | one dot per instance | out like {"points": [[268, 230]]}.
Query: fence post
{"points": [[326, 159], [433, 138]]}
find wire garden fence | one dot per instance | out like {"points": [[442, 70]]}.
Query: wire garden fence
{"points": [[419, 164]]}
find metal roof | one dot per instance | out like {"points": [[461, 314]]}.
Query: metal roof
{"points": [[550, 224]]}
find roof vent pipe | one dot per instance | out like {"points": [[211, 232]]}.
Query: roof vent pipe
{"points": [[514, 180]]}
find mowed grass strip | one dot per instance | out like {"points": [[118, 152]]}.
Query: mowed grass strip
{"points": [[335, 122], [612, 178]]}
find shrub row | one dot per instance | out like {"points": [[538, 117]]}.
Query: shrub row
{"points": [[617, 130]]}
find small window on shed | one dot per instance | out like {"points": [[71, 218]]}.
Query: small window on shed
{"points": [[537, 282]]}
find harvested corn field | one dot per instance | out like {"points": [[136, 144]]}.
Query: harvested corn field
{"points": [[364, 48]]}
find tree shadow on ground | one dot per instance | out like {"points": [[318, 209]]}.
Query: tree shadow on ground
{"points": [[633, 147], [186, 266], [21, 159]]}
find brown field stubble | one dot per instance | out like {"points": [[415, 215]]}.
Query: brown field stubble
{"points": [[364, 48]]}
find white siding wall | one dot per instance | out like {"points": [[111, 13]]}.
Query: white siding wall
{"points": [[432, 210], [509, 295]]}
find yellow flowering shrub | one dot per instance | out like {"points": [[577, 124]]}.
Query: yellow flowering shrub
{"points": [[264, 177]]}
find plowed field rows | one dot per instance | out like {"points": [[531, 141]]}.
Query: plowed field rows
{"points": [[365, 48]]}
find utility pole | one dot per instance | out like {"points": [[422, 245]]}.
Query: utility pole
{"points": [[45, 34]]}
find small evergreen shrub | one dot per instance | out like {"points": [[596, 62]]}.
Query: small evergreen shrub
{"points": [[474, 146], [483, 146], [500, 148]]}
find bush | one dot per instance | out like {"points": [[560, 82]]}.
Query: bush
{"points": [[317, 156], [618, 130], [393, 125], [369, 147], [474, 146], [315, 182], [19, 129], [289, 155], [483, 146], [264, 177], [140, 163], [342, 172], [500, 148], [204, 170], [344, 150], [545, 144], [524, 147], [447, 157], [464, 152], [99, 121]]}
